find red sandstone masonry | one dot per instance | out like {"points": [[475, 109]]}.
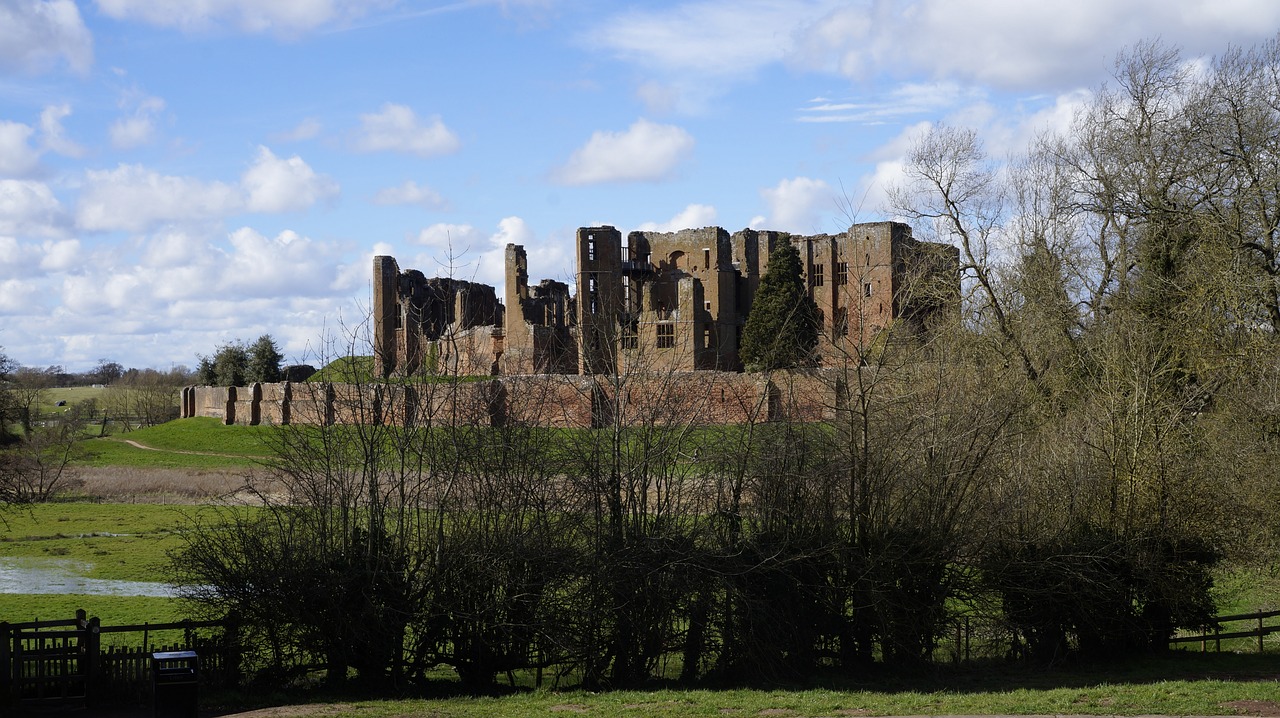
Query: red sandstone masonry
{"points": [[553, 400]]}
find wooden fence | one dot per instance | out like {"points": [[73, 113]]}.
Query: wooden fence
{"points": [[63, 663], [1254, 626]]}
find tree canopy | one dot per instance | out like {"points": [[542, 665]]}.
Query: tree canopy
{"points": [[782, 326], [236, 363]]}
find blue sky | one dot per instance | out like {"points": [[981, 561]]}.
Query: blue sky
{"points": [[178, 174]]}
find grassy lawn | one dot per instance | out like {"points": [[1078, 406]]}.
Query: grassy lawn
{"points": [[1237, 684], [123, 542], [197, 443], [49, 398]]}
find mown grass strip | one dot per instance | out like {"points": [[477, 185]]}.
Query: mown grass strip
{"points": [[1172, 697]]}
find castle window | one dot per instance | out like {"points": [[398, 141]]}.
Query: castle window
{"points": [[817, 275], [866, 290], [706, 337], [706, 257], [666, 336], [591, 249], [842, 273], [868, 257], [707, 306]]}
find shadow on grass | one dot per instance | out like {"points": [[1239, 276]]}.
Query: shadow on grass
{"points": [[977, 677]]}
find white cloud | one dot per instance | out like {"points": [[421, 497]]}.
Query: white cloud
{"points": [[308, 129], [455, 237], [716, 38], [133, 198], [466, 252], [796, 205], [645, 152], [36, 34], [696, 49], [287, 265], [284, 17], [17, 259], [396, 128], [29, 209], [17, 157], [60, 255], [411, 193], [52, 134], [691, 217], [1019, 45], [902, 101], [138, 128], [279, 185]]}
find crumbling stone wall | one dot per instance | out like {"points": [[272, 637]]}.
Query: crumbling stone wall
{"points": [[439, 324], [661, 301], [551, 400]]}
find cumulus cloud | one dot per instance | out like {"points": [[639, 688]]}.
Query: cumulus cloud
{"points": [[796, 205], [458, 238], [285, 265], [645, 152], [396, 128], [18, 158], [283, 17], [35, 35], [52, 134], [284, 185], [691, 217], [467, 252], [138, 128], [29, 209], [134, 198], [411, 193]]}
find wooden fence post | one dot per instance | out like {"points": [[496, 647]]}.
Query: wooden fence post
{"points": [[93, 656], [1260, 634]]}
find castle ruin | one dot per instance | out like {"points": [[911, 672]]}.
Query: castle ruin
{"points": [[676, 301]]}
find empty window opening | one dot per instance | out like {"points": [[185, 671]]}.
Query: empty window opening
{"points": [[706, 257], [706, 305], [817, 275], [666, 336], [591, 249], [868, 257], [842, 274], [866, 290]]}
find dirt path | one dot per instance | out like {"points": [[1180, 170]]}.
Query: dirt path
{"points": [[144, 447]]}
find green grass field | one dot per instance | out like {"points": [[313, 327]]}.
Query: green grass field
{"points": [[197, 443]]}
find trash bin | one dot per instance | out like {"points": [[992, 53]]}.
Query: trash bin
{"points": [[175, 677]]}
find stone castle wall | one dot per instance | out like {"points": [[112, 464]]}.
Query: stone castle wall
{"points": [[551, 400]]}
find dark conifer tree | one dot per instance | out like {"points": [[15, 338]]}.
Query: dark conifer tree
{"points": [[782, 326]]}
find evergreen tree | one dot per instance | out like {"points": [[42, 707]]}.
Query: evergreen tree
{"points": [[264, 360], [782, 326]]}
